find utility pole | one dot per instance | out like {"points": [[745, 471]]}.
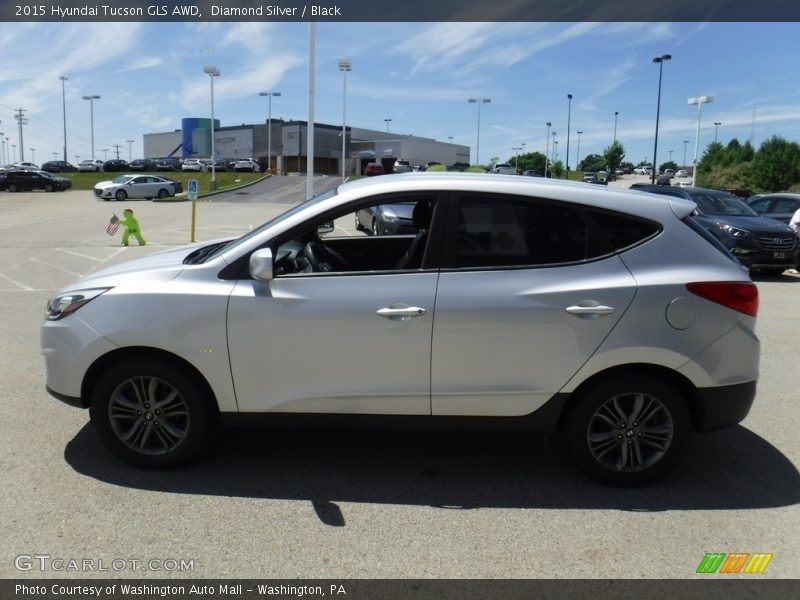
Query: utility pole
{"points": [[116, 146], [22, 121]]}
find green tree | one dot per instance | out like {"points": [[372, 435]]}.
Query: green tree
{"points": [[529, 161], [776, 165], [592, 162], [670, 164], [613, 156], [557, 168]]}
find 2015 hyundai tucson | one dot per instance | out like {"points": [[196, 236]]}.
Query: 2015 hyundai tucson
{"points": [[604, 315]]}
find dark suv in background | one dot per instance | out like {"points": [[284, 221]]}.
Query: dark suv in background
{"points": [[140, 165], [59, 166], [759, 243], [23, 181], [169, 163]]}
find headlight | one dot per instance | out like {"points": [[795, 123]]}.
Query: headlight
{"points": [[66, 304], [389, 214], [734, 231]]}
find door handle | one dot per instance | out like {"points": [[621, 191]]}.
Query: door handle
{"points": [[589, 310], [400, 312]]}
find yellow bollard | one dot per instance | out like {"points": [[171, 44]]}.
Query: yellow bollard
{"points": [[194, 218]]}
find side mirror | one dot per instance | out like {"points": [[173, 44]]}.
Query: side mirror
{"points": [[325, 227], [261, 265]]}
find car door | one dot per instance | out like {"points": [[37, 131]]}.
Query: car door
{"points": [[350, 342], [524, 299]]}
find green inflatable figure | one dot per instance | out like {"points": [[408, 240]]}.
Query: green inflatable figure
{"points": [[131, 225]]}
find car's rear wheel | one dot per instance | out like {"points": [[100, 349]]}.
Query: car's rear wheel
{"points": [[120, 195], [13, 188], [151, 413], [628, 430], [49, 187], [162, 193]]}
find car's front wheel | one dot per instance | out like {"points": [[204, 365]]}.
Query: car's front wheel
{"points": [[120, 195], [49, 187], [628, 430], [151, 413]]}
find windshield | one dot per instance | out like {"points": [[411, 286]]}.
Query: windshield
{"points": [[121, 179], [722, 205], [289, 213]]}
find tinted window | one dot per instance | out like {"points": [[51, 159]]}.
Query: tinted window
{"points": [[760, 205], [786, 205], [722, 204], [622, 231], [505, 232]]}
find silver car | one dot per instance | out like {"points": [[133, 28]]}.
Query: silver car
{"points": [[606, 317], [137, 186]]}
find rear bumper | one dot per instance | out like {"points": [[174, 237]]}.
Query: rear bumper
{"points": [[725, 406]]}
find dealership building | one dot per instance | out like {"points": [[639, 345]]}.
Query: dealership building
{"points": [[290, 146]]}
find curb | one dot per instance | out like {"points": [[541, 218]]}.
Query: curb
{"points": [[183, 195]]}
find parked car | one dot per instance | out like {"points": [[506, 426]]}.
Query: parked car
{"points": [[24, 166], [669, 172], [780, 206], [141, 165], [681, 173], [589, 176], [193, 164], [169, 163], [741, 193], [246, 164], [90, 165], [387, 219], [402, 166], [607, 316], [504, 169], [59, 166], [116, 165], [137, 186], [22, 181], [373, 169], [759, 243], [533, 173], [681, 183]]}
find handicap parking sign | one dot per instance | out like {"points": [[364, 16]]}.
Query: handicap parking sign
{"points": [[192, 191]]}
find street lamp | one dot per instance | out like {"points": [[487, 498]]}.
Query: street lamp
{"points": [[269, 95], [212, 72], [450, 137], [547, 147], [14, 150], [553, 155], [616, 114], [660, 60], [2, 148], [479, 101], [33, 155], [578, 153], [716, 130], [699, 101], [569, 115], [516, 150], [91, 100], [105, 153], [64, 110], [670, 155], [387, 121], [130, 154], [555, 151], [685, 143], [344, 66]]}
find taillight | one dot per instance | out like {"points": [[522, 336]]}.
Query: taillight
{"points": [[741, 296]]}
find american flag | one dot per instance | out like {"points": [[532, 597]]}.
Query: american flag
{"points": [[113, 225]]}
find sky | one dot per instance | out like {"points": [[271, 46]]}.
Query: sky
{"points": [[419, 75]]}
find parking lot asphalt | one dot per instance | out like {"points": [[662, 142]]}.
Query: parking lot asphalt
{"points": [[278, 504]]}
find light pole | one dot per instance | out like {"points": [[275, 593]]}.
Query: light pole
{"points": [[555, 151], [479, 101], [553, 155], [269, 95], [660, 60], [685, 143], [578, 153], [516, 149], [699, 101], [716, 130], [450, 137], [33, 155], [105, 153], [91, 100], [387, 121], [344, 66], [63, 79], [2, 148], [569, 116], [55, 154], [670, 155], [14, 150], [616, 114], [212, 72], [547, 147], [130, 154]]}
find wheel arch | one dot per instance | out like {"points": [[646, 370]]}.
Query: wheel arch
{"points": [[682, 385], [141, 352]]}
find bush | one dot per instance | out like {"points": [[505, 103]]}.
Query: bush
{"points": [[776, 165]]}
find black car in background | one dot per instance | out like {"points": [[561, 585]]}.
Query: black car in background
{"points": [[759, 243], [168, 163], [780, 206], [24, 181], [141, 165], [115, 165], [59, 166]]}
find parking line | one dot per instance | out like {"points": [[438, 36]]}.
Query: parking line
{"points": [[17, 283], [65, 251], [47, 264]]}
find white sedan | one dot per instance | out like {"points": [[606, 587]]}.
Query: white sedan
{"points": [[194, 164], [90, 165], [137, 186]]}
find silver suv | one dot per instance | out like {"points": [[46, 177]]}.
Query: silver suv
{"points": [[606, 317]]}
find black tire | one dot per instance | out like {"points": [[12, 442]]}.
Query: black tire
{"points": [[49, 187], [630, 451], [120, 195], [13, 188], [162, 193], [135, 427]]}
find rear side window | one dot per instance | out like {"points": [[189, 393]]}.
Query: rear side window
{"points": [[709, 237], [623, 231]]}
